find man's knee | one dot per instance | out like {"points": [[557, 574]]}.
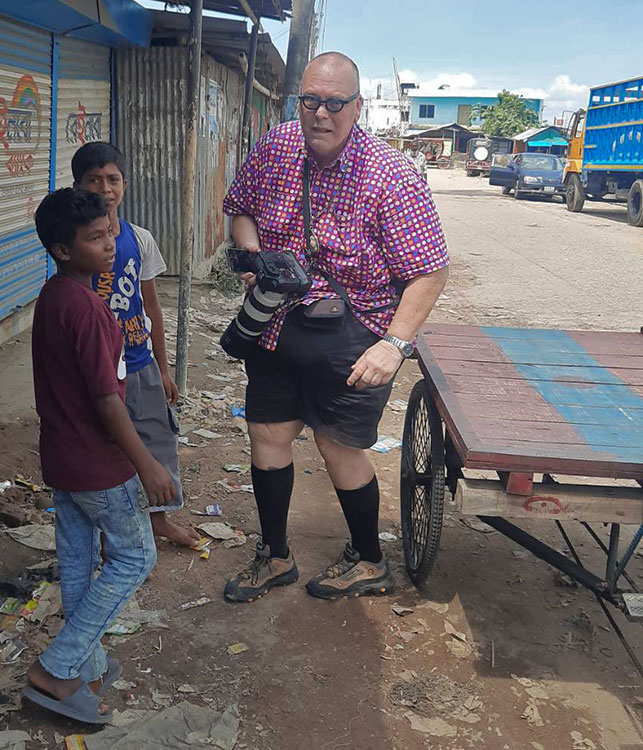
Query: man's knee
{"points": [[273, 435], [333, 452]]}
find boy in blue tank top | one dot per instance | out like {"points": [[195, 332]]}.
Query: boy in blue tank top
{"points": [[130, 291]]}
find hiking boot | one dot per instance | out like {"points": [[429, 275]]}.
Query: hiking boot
{"points": [[351, 576], [263, 573]]}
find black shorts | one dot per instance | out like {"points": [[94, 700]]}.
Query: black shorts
{"points": [[305, 378]]}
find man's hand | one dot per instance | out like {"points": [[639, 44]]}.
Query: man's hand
{"points": [[157, 482], [376, 366], [249, 279], [171, 391]]}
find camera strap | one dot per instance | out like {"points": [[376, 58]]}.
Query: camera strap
{"points": [[310, 254]]}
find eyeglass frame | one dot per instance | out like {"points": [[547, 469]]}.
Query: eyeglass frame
{"points": [[321, 101]]}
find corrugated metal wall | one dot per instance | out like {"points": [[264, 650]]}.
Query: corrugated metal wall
{"points": [[150, 130], [25, 125], [83, 101], [219, 127], [151, 91]]}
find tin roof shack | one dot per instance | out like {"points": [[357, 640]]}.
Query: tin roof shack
{"points": [[152, 86], [444, 104], [546, 140], [55, 95], [459, 135]]}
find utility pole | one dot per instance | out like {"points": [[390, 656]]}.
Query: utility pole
{"points": [[247, 99], [187, 202], [298, 54]]}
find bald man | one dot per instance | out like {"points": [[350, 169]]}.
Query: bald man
{"points": [[372, 223]]}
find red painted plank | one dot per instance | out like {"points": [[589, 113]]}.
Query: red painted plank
{"points": [[549, 373], [568, 460], [613, 343], [548, 433], [491, 353], [500, 408], [520, 390]]}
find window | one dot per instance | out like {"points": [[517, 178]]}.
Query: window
{"points": [[427, 111]]}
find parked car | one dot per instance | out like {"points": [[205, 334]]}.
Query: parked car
{"points": [[528, 173]]}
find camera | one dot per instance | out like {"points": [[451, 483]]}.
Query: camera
{"points": [[279, 275]]}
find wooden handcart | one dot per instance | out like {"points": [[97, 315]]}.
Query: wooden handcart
{"points": [[561, 407]]}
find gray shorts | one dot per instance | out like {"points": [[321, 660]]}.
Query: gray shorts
{"points": [[156, 424]]}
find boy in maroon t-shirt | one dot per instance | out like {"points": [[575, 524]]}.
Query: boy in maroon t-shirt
{"points": [[90, 454]]}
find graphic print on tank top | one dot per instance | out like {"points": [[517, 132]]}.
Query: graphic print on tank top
{"points": [[121, 289]]}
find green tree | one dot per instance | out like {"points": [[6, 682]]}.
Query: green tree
{"points": [[509, 116]]}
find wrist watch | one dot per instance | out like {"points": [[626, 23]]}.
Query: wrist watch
{"points": [[406, 347]]}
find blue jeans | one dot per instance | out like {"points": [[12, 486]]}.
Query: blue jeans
{"points": [[91, 602]]}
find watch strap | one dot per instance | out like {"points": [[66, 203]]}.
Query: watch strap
{"points": [[406, 347]]}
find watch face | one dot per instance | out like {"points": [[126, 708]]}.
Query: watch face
{"points": [[407, 349]]}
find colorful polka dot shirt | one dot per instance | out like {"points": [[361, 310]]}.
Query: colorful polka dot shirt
{"points": [[372, 213]]}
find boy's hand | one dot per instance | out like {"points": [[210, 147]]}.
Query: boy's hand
{"points": [[171, 390], [157, 483]]}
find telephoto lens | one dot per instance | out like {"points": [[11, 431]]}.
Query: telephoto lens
{"points": [[278, 275], [244, 331]]}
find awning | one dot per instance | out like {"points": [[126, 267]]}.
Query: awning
{"points": [[110, 22], [547, 142]]}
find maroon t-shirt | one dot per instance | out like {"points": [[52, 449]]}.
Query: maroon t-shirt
{"points": [[77, 348]]}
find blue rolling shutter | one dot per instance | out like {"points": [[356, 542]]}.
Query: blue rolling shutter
{"points": [[25, 136]]}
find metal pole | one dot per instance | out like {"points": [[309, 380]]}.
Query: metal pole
{"points": [[247, 97], [187, 202], [298, 54]]}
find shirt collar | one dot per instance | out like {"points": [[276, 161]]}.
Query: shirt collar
{"points": [[344, 161]]}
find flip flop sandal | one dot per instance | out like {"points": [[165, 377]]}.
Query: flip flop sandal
{"points": [[114, 671], [81, 705]]}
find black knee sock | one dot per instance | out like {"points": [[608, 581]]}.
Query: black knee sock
{"points": [[361, 510], [273, 488]]}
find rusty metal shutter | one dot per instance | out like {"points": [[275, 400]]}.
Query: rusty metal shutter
{"points": [[83, 101], [25, 137]]}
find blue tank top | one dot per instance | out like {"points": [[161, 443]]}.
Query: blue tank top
{"points": [[121, 289]]}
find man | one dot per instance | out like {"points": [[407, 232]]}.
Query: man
{"points": [[372, 221]]}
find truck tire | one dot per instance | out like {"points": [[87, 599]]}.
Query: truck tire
{"points": [[575, 194], [635, 204]]}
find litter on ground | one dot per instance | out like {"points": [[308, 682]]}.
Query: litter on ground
{"points": [[182, 725]]}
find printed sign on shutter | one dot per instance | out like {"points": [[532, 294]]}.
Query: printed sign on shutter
{"points": [[25, 134], [83, 101]]}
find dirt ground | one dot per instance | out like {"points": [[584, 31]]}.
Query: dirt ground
{"points": [[498, 653]]}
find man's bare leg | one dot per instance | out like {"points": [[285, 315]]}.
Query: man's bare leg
{"points": [[271, 444], [348, 468]]}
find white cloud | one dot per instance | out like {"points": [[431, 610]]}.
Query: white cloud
{"points": [[456, 81], [564, 94]]}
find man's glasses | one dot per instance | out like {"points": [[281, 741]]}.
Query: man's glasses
{"points": [[334, 104]]}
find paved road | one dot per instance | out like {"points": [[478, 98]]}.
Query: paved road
{"points": [[531, 262]]}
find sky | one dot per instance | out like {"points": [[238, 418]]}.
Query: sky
{"points": [[552, 49]]}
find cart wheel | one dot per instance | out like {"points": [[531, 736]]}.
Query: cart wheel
{"points": [[421, 484]]}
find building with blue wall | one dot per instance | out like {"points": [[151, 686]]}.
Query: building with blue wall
{"points": [[56, 70], [446, 105]]}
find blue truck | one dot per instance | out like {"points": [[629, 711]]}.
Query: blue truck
{"points": [[605, 154]]}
